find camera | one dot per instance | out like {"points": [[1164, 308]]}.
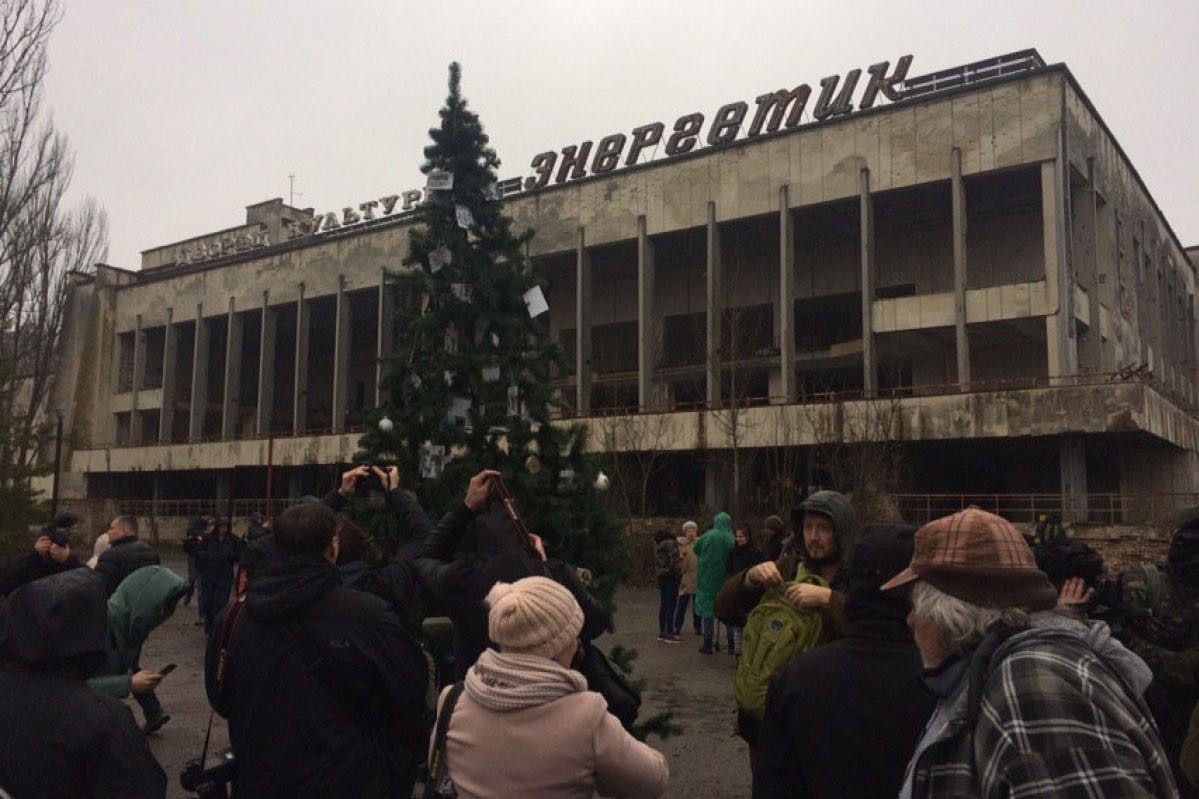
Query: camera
{"points": [[212, 782], [369, 483], [58, 531]]}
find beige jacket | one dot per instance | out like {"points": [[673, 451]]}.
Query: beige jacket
{"points": [[569, 748], [690, 566]]}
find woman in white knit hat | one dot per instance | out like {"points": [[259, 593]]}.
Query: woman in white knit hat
{"points": [[525, 723]]}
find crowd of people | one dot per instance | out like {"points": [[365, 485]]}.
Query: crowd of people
{"points": [[957, 659]]}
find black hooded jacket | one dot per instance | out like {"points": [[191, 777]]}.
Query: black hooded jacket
{"points": [[460, 586], [57, 737], [29, 567], [323, 689], [396, 581], [843, 719], [122, 559]]}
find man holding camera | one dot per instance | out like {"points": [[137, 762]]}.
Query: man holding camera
{"points": [[51, 554], [323, 688]]}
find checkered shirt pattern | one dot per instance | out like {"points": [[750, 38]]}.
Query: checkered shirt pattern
{"points": [[1054, 720]]}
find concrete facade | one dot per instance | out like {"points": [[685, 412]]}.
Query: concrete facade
{"points": [[986, 257]]}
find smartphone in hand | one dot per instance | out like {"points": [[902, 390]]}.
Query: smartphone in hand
{"points": [[167, 669]]}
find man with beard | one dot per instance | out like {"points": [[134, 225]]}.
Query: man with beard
{"points": [[868, 674], [830, 530]]}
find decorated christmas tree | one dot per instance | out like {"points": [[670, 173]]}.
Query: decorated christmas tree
{"points": [[469, 386]]}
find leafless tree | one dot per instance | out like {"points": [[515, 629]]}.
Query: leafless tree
{"points": [[42, 240], [745, 351], [782, 462], [636, 446], [859, 445]]}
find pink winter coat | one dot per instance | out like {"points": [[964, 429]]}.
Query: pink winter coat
{"points": [[570, 747]]}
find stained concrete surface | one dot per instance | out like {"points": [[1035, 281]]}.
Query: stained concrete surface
{"points": [[706, 760]]}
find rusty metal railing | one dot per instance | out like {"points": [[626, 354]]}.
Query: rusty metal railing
{"points": [[1158, 508]]}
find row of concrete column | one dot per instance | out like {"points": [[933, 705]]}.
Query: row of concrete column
{"points": [[269, 328], [1059, 332]]}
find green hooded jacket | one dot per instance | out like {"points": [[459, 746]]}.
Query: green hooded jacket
{"points": [[143, 600], [712, 549]]}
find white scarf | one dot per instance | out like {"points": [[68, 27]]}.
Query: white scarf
{"points": [[500, 681]]}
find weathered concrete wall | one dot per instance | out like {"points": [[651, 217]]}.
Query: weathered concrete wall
{"points": [[1118, 407], [1140, 264]]}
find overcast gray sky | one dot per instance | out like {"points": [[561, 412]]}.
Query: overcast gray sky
{"points": [[182, 113]]}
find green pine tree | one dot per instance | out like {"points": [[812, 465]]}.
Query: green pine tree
{"points": [[472, 372]]}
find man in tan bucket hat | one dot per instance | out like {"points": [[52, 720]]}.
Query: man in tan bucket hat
{"points": [[1030, 702]]}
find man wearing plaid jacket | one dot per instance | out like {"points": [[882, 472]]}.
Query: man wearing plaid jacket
{"points": [[1031, 703]]}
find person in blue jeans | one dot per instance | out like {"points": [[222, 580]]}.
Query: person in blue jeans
{"points": [[668, 562]]}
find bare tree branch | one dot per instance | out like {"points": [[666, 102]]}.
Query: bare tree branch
{"points": [[41, 239]]}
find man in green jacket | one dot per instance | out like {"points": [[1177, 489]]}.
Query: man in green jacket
{"points": [[143, 600], [712, 549]]}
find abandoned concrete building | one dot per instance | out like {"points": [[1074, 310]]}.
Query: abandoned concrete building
{"points": [[979, 256]]}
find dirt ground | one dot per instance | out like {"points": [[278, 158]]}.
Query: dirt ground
{"points": [[706, 760]]}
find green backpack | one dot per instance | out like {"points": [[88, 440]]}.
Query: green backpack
{"points": [[775, 632]]}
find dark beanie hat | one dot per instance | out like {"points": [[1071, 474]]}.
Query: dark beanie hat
{"points": [[883, 550]]}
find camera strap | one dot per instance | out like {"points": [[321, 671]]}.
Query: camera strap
{"points": [[228, 625]]}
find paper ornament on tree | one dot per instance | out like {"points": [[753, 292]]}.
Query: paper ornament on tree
{"points": [[451, 341], [495, 340], [532, 464], [386, 425], [491, 191], [432, 461], [448, 376], [491, 374], [439, 181], [465, 217], [513, 401], [439, 258], [464, 292], [459, 408], [535, 302], [602, 482], [566, 479]]}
